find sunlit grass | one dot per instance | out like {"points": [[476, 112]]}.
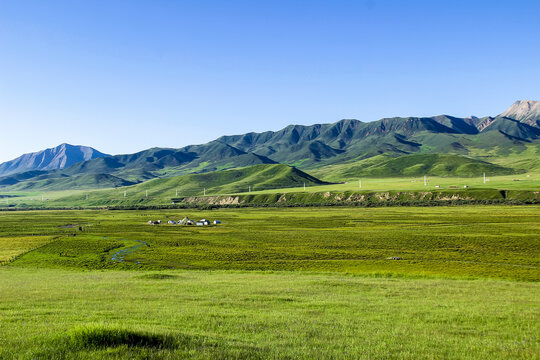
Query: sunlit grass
{"points": [[252, 315], [521, 181], [11, 247]]}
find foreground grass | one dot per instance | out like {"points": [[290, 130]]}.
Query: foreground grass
{"points": [[60, 314], [457, 242]]}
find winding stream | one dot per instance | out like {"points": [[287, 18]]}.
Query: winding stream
{"points": [[119, 255]]}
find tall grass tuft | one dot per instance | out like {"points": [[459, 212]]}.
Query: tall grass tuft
{"points": [[102, 336], [156, 276]]}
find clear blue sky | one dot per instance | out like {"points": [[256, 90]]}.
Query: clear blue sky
{"points": [[126, 75]]}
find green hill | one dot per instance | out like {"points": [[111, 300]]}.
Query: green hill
{"points": [[414, 165], [76, 182], [258, 177]]}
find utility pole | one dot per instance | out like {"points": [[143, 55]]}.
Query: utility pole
{"points": [[176, 192], [484, 178], [360, 184], [146, 193], [204, 192], [304, 186], [250, 188], [425, 180], [87, 196], [42, 197], [125, 193]]}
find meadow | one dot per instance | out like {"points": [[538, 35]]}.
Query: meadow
{"points": [[529, 181], [474, 241], [343, 283]]}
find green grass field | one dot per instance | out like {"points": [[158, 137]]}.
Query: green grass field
{"points": [[487, 241], [59, 314], [529, 181], [272, 283]]}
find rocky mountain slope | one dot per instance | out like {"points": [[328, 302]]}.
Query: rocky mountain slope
{"points": [[59, 157], [526, 111]]}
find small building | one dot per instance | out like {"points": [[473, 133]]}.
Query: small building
{"points": [[172, 222], [150, 222], [203, 222], [437, 186], [189, 222], [217, 222], [465, 186]]}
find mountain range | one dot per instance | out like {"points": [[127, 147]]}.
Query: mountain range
{"points": [[507, 143]]}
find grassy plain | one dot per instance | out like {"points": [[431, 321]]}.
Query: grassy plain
{"points": [[529, 181], [273, 283], [475, 241]]}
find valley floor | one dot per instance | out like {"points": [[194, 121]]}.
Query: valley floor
{"points": [[330, 283]]}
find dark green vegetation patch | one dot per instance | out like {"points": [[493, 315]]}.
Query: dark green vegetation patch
{"points": [[156, 276], [103, 336]]}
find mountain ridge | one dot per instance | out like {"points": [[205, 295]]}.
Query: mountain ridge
{"points": [[59, 157]]}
